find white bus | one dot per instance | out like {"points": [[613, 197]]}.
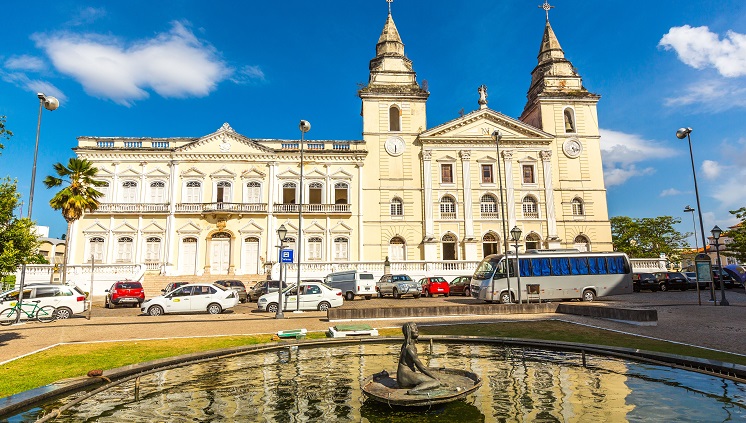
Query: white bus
{"points": [[352, 283], [559, 274]]}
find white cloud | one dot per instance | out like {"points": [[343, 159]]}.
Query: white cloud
{"points": [[87, 15], [670, 192], [712, 95], [711, 169], [173, 64], [621, 152], [33, 85], [699, 48], [248, 74], [24, 63]]}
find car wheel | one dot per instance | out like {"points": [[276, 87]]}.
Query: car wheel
{"points": [[589, 295], [349, 296], [664, 287], [446, 294], [395, 294], [428, 294], [324, 306], [272, 307], [505, 297], [155, 310], [367, 297], [467, 292], [64, 313], [214, 308], [416, 296]]}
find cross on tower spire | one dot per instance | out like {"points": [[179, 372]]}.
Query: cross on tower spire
{"points": [[389, 2], [546, 6]]}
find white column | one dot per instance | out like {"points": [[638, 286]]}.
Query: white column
{"points": [[427, 172], [115, 189], [546, 158], [270, 238], [171, 242], [143, 190], [510, 187], [359, 211], [110, 241], [139, 242], [71, 247], [466, 176]]}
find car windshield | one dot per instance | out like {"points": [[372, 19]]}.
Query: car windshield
{"points": [[221, 287], [402, 278]]}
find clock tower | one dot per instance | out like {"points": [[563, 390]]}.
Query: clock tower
{"points": [[394, 114]]}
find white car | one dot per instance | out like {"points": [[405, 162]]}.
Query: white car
{"points": [[192, 298], [313, 296], [68, 300]]}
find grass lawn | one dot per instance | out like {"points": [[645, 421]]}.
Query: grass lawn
{"points": [[75, 360]]}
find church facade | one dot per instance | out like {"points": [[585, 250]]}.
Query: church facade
{"points": [[405, 191]]}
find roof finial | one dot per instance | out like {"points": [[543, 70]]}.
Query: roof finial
{"points": [[389, 2], [546, 6]]}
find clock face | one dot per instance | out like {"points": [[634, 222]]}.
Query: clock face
{"points": [[394, 146], [572, 148]]}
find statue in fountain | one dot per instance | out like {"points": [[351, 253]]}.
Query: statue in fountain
{"points": [[407, 375]]}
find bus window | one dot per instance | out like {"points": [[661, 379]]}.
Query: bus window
{"points": [[578, 266], [525, 267], [597, 265], [540, 267], [560, 266], [511, 267], [486, 269], [616, 264]]}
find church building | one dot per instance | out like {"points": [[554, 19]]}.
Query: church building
{"points": [[406, 192]]}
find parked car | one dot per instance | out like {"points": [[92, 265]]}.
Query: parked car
{"points": [[461, 285], [235, 285], [266, 287], [125, 292], [68, 300], [672, 280], [250, 292], [352, 283], [642, 281], [396, 286], [728, 281], [692, 276], [192, 298], [434, 286], [172, 285], [313, 296]]}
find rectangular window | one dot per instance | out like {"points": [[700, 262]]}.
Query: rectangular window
{"points": [[487, 174], [579, 266], [528, 174], [446, 173], [560, 266]]}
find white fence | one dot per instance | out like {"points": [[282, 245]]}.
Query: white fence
{"points": [[103, 275], [415, 269], [649, 265]]}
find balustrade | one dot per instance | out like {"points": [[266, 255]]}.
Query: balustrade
{"points": [[313, 208]]}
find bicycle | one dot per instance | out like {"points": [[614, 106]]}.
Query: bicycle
{"points": [[44, 314]]}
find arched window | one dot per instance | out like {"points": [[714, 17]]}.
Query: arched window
{"points": [[223, 192], [341, 195], [129, 192], [253, 192], [569, 120], [315, 193], [193, 192], [396, 206], [490, 244], [449, 246], [341, 249], [96, 249], [314, 248], [582, 243], [153, 250], [447, 207], [158, 192], [532, 241], [397, 249], [577, 207], [488, 206], [394, 119], [288, 193], [124, 250], [530, 207], [290, 244]]}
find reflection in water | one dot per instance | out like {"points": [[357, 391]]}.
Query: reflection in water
{"points": [[323, 384]]}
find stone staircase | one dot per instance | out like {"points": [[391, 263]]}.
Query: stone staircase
{"points": [[153, 283]]}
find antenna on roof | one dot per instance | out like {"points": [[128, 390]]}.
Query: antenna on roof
{"points": [[461, 112]]}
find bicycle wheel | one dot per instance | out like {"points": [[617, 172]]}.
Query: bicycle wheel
{"points": [[46, 314], [8, 316]]}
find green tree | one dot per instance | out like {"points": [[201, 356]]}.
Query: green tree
{"points": [[4, 132], [18, 242], [737, 248], [648, 236], [78, 196]]}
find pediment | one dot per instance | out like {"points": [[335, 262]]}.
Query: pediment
{"points": [[314, 228], [103, 173], [486, 159], [157, 173], [288, 174], [224, 141], [342, 174], [223, 173], [253, 173], [95, 228], [153, 228], [341, 228], [129, 172], [189, 228], [315, 173], [192, 172], [446, 159], [527, 159], [292, 228], [479, 126], [125, 227], [251, 228]]}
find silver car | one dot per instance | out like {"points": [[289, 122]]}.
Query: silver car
{"points": [[396, 286]]}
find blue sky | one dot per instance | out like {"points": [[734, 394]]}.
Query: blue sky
{"points": [[182, 68]]}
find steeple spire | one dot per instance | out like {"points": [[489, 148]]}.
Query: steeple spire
{"points": [[389, 43], [550, 47]]}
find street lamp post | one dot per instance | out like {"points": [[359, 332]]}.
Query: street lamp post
{"points": [[50, 103], [516, 234], [716, 231], [281, 233], [304, 127], [497, 136], [689, 209], [680, 134]]}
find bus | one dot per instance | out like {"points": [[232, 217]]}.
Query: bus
{"points": [[553, 275]]}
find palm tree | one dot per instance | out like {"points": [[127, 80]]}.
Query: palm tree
{"points": [[77, 197]]}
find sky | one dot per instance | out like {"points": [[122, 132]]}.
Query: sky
{"points": [[183, 68]]}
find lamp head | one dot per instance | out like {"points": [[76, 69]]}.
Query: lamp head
{"points": [[716, 231], [282, 232], [50, 103], [683, 133], [304, 126], [516, 233], [688, 209], [496, 135]]}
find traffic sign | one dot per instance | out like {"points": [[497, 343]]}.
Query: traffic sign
{"points": [[286, 256]]}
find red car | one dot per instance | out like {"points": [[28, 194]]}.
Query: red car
{"points": [[125, 292], [434, 286]]}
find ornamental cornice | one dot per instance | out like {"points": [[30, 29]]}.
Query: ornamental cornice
{"points": [[475, 143]]}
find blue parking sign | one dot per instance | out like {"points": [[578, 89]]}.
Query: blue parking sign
{"points": [[286, 256]]}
